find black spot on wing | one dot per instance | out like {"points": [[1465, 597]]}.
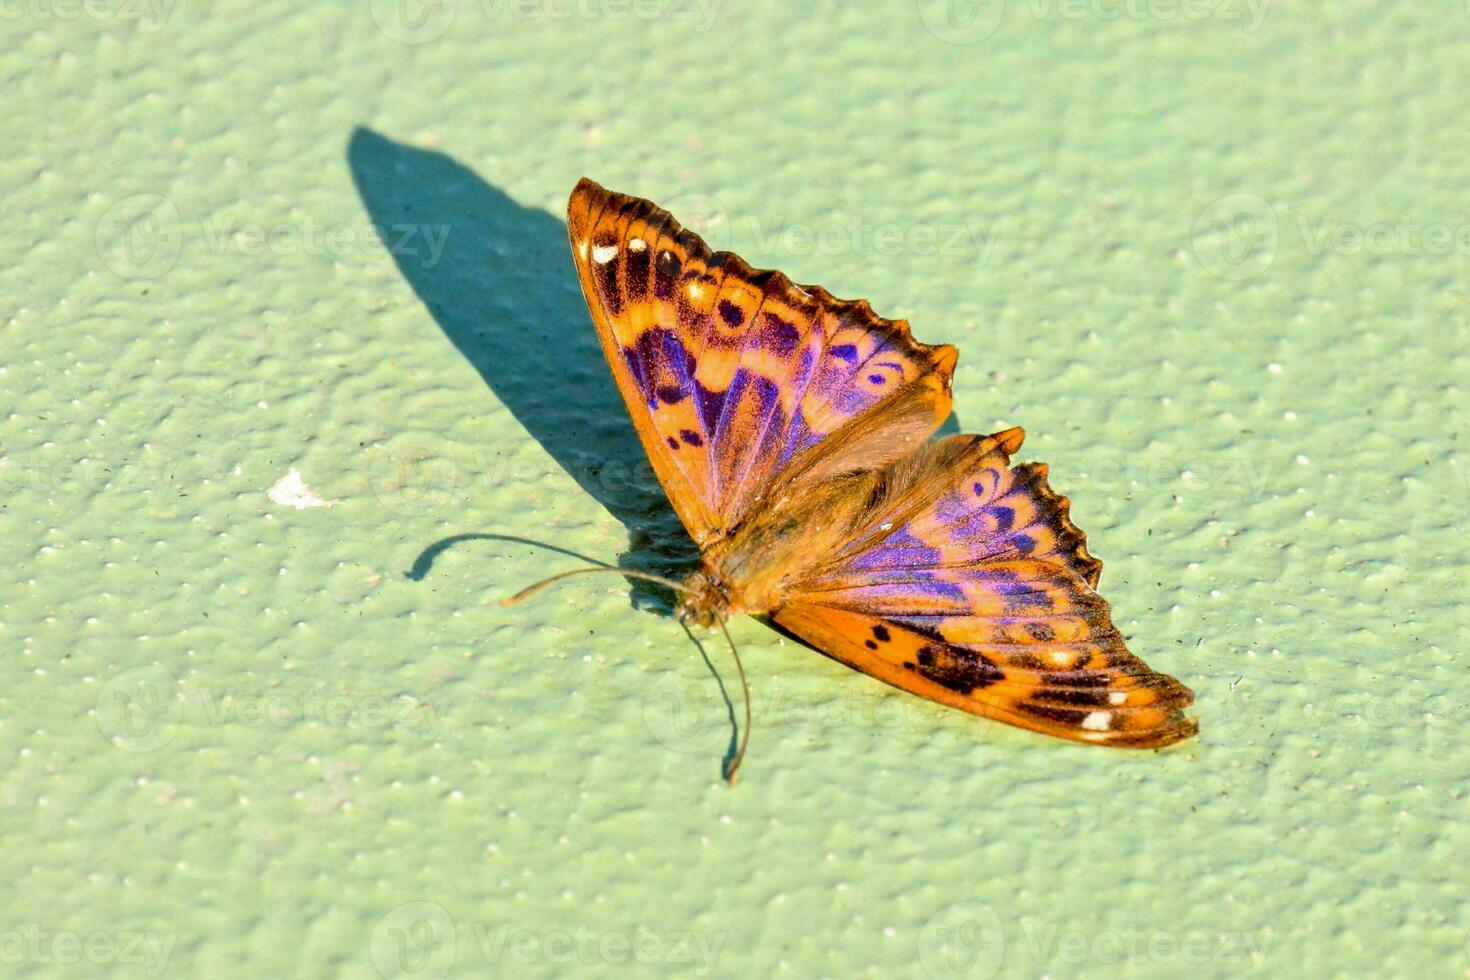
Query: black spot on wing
{"points": [[731, 313], [1041, 632], [605, 274], [666, 269], [635, 273], [956, 668]]}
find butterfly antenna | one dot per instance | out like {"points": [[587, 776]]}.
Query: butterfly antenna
{"points": [[733, 766], [545, 583]]}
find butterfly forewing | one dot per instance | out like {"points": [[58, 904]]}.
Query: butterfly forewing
{"points": [[734, 376]]}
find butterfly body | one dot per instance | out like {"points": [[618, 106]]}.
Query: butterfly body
{"points": [[792, 432]]}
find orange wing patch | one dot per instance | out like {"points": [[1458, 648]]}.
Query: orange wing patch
{"points": [[1064, 672], [732, 375]]}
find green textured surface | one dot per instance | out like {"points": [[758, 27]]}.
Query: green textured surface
{"points": [[1213, 257]]}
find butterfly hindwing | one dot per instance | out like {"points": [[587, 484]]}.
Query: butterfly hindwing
{"points": [[968, 584], [734, 376]]}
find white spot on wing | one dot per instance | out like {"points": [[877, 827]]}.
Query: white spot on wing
{"points": [[582, 250], [1117, 697], [603, 254], [292, 491], [1060, 657], [636, 244], [1097, 721], [695, 290]]}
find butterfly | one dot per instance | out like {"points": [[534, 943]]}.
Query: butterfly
{"points": [[792, 432]]}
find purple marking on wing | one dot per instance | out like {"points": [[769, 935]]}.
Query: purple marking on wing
{"points": [[661, 365], [894, 596], [988, 530], [765, 391], [952, 508], [775, 445], [900, 549], [633, 357], [778, 336], [798, 434], [734, 460], [711, 404]]}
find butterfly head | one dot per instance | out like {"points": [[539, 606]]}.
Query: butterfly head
{"points": [[705, 603]]}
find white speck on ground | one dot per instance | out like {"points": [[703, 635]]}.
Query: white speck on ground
{"points": [[292, 491]]}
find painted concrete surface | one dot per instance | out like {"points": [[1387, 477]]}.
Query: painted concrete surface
{"points": [[292, 351]]}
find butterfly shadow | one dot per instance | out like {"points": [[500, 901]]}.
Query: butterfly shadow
{"points": [[498, 279]]}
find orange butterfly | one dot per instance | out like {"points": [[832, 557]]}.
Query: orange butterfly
{"points": [[791, 430]]}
